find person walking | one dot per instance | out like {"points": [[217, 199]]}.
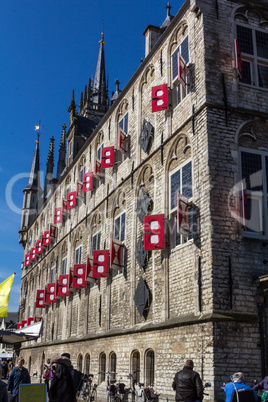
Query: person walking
{"points": [[188, 384], [47, 374], [19, 375], [77, 375], [62, 387], [238, 383]]}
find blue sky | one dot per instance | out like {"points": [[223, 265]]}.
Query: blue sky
{"points": [[47, 49]]}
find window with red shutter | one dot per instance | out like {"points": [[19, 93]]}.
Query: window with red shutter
{"points": [[159, 98], [107, 157], [38, 247], [27, 261], [154, 232], [100, 263], [51, 292], [88, 182], [71, 200], [117, 254], [40, 298], [64, 285]]}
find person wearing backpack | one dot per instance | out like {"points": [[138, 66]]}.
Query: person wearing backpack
{"points": [[237, 385]]}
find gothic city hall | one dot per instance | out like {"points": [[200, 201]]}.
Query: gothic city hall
{"points": [[147, 243]]}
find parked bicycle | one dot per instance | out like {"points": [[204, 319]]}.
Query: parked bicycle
{"points": [[137, 392], [88, 391]]}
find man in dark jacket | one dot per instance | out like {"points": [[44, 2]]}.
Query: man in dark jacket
{"points": [[19, 375], [188, 384]]}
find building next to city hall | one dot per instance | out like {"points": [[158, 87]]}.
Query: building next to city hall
{"points": [[149, 243]]}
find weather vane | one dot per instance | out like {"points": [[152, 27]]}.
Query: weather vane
{"points": [[38, 128]]}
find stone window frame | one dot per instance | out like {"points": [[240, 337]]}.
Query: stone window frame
{"points": [[122, 113], [149, 366], [242, 19], [135, 363], [80, 362], [112, 365], [178, 92], [258, 196], [78, 254], [102, 367], [87, 362]]}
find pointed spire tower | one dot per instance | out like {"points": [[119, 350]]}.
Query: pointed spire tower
{"points": [[99, 96], [32, 200], [49, 180], [62, 153]]}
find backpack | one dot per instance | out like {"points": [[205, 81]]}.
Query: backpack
{"points": [[244, 395]]}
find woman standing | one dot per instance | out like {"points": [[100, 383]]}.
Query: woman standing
{"points": [[62, 387]]}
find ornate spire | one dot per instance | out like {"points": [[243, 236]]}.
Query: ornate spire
{"points": [[50, 166], [72, 108], [81, 104], [100, 97], [62, 153]]}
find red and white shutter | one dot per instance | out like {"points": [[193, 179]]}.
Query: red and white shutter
{"points": [[100, 263], [182, 215], [51, 292], [24, 323], [38, 247], [107, 157], [88, 181], [46, 240], [154, 232], [40, 298], [238, 60], [19, 325], [27, 261], [71, 200], [117, 250], [97, 170], [31, 320], [80, 276], [182, 69], [64, 285], [159, 98], [122, 142], [33, 254], [58, 215]]}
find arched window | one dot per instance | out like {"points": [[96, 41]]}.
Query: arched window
{"points": [[113, 365], [87, 364], [135, 365], [79, 362], [252, 37], [102, 367], [149, 367]]}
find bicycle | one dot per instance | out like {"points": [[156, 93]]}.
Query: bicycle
{"points": [[89, 392]]}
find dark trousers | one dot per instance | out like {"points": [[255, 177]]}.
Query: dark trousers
{"points": [[14, 398]]}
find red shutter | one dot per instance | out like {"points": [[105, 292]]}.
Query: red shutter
{"points": [[244, 208], [97, 169], [52, 231], [80, 276], [64, 285], [238, 60], [154, 232], [33, 254], [159, 98], [19, 325], [24, 323], [122, 142], [31, 320], [107, 157], [100, 263], [38, 247], [181, 70], [51, 293], [79, 190], [57, 215], [71, 200], [117, 249], [40, 299], [27, 261], [88, 182], [182, 215], [46, 240]]}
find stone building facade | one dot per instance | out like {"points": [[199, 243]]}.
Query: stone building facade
{"points": [[201, 160]]}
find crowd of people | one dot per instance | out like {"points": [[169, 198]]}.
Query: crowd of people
{"points": [[63, 382]]}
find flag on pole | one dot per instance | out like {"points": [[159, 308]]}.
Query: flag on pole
{"points": [[5, 288]]}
